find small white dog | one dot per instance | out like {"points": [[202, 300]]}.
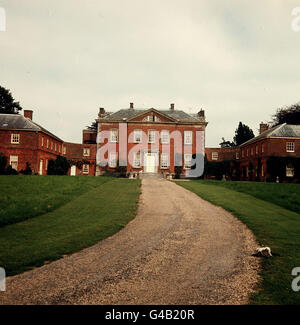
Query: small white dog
{"points": [[263, 251]]}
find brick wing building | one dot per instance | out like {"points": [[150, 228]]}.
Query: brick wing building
{"points": [[22, 140], [273, 154], [149, 140], [82, 158], [257, 156]]}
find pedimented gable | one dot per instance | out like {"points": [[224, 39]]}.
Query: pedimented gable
{"points": [[151, 115]]}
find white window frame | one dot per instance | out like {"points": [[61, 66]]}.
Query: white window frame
{"points": [[55, 146], [114, 135], [47, 143], [85, 169], [290, 146], [214, 155], [148, 118], [112, 163], [150, 133], [187, 158], [86, 152], [15, 138], [290, 171], [64, 150], [137, 159], [163, 135], [42, 144], [188, 137], [164, 161], [137, 134], [14, 159]]}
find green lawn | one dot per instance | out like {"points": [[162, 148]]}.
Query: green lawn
{"points": [[272, 225], [25, 197], [285, 195], [96, 209]]}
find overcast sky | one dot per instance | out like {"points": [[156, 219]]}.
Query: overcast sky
{"points": [[239, 60]]}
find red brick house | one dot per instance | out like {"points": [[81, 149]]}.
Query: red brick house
{"points": [[22, 140], [282, 141], [149, 140], [273, 153]]}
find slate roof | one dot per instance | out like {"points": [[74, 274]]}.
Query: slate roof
{"points": [[130, 113], [19, 122], [281, 131], [74, 150]]}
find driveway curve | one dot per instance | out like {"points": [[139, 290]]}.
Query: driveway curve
{"points": [[179, 249]]}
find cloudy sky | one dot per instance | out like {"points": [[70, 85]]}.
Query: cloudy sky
{"points": [[237, 59]]}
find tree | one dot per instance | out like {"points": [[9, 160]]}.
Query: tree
{"points": [[7, 102], [93, 126], [289, 115], [60, 166], [242, 134], [226, 144]]}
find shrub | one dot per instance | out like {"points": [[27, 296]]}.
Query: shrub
{"points": [[3, 161], [27, 170], [11, 171], [60, 166]]}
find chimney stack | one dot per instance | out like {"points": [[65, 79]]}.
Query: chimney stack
{"points": [[101, 111], [172, 107], [131, 105], [201, 113], [28, 113], [263, 127]]}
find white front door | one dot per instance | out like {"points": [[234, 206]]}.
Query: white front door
{"points": [[73, 170], [41, 167], [150, 163]]}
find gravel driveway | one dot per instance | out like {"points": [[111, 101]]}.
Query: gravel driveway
{"points": [[179, 249]]}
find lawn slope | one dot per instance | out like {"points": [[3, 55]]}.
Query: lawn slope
{"points": [[25, 197], [273, 226], [90, 217], [286, 195]]}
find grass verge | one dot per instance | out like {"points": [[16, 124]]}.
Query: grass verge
{"points": [[90, 217], [273, 226]]}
